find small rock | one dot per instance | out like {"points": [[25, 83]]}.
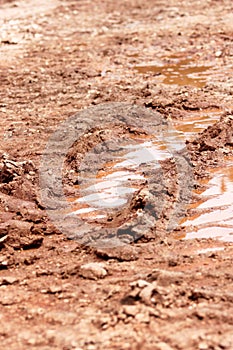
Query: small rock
{"points": [[130, 310], [91, 347], [92, 271], [2, 240], [8, 280], [19, 235], [166, 278], [154, 312], [52, 290], [10, 41], [203, 346], [3, 262], [143, 317], [115, 249], [139, 284], [146, 294], [225, 344], [9, 299], [163, 346], [218, 53]]}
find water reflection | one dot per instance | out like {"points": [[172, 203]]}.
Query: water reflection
{"points": [[214, 214], [120, 178], [117, 180], [183, 72], [196, 122]]}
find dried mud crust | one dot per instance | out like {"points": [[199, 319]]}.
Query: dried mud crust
{"points": [[156, 293]]}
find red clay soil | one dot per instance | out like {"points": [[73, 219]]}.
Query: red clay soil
{"points": [[60, 57]]}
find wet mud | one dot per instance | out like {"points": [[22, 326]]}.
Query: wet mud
{"points": [[110, 269]]}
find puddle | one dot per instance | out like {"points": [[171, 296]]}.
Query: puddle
{"points": [[184, 72], [113, 187], [210, 250], [196, 122], [213, 216], [117, 180]]}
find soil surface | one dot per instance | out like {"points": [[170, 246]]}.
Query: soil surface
{"points": [[172, 58]]}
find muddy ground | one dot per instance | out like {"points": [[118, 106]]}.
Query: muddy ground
{"points": [[57, 58]]}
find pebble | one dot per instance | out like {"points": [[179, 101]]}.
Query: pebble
{"points": [[139, 283], [93, 271], [143, 317], [113, 249], [8, 280], [163, 346], [203, 346], [130, 310], [218, 53]]}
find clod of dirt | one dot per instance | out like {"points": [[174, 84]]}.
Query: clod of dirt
{"points": [[130, 310], [3, 262], [214, 137], [163, 346], [8, 280], [19, 235], [93, 271], [53, 289], [165, 278], [111, 249]]}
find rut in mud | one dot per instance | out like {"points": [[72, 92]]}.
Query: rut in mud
{"points": [[158, 289]]}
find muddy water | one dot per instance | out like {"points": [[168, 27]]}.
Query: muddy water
{"points": [[196, 122], [213, 216], [183, 72], [114, 185], [118, 180]]}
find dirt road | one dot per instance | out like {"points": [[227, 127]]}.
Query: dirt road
{"points": [[60, 57]]}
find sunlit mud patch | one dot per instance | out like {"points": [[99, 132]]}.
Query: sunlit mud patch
{"points": [[213, 216], [117, 180], [184, 72]]}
